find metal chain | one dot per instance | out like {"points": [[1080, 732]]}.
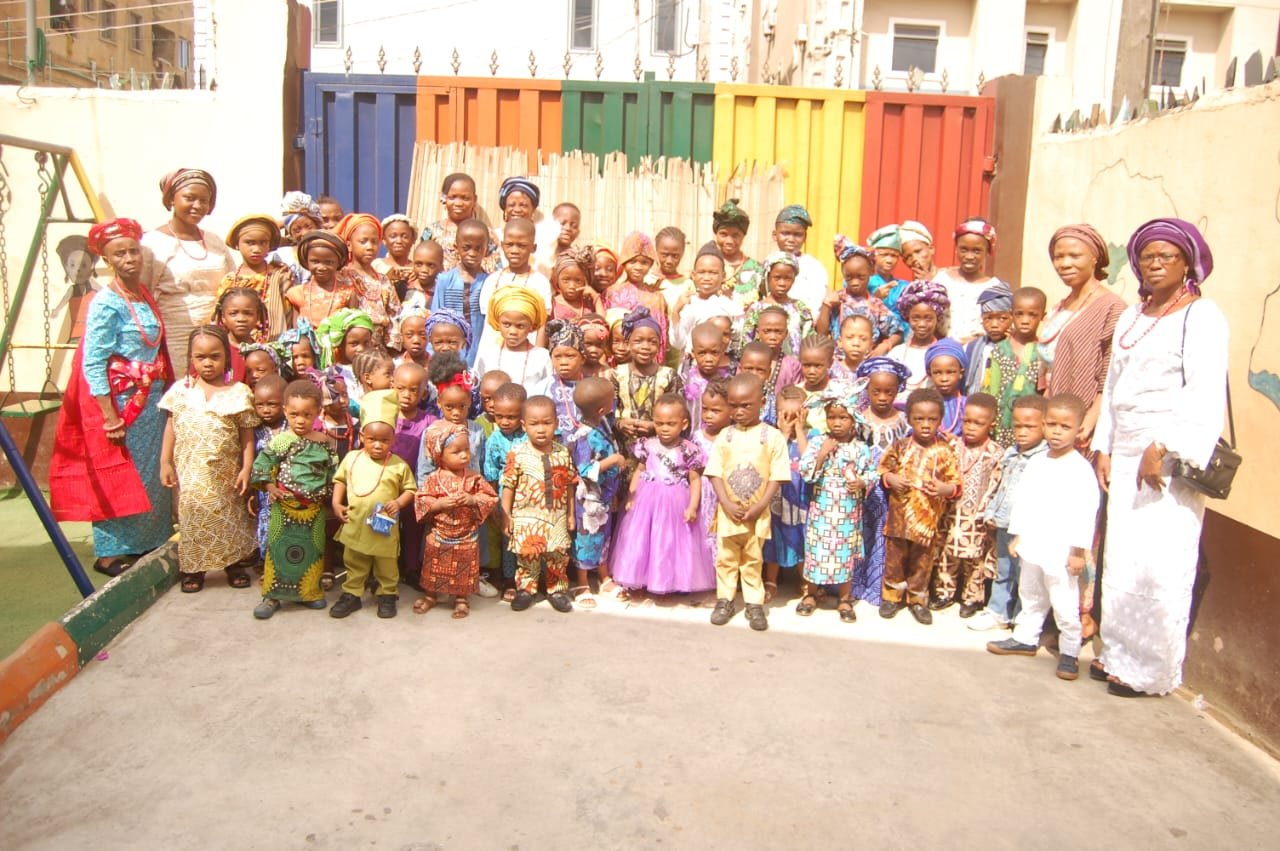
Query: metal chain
{"points": [[6, 203], [46, 180]]}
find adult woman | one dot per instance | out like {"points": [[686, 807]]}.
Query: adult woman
{"points": [[518, 197], [975, 239], [182, 263], [458, 195], [106, 456], [1075, 337], [1164, 397]]}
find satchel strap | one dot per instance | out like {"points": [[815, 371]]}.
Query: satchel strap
{"points": [[1182, 366]]}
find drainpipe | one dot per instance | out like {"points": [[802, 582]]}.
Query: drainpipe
{"points": [[32, 44]]}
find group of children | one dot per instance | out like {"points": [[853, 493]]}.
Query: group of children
{"points": [[453, 418]]}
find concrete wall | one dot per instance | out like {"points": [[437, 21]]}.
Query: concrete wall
{"points": [[1216, 163], [128, 140]]}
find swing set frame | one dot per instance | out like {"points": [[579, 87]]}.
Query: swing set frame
{"points": [[52, 162]]}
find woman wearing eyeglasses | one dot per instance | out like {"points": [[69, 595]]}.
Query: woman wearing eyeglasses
{"points": [[1163, 401]]}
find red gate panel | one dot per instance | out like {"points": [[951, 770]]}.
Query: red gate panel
{"points": [[928, 158]]}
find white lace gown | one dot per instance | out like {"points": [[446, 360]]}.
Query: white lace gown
{"points": [[184, 276], [1153, 538]]}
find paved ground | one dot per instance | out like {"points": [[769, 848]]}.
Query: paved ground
{"points": [[35, 587], [618, 728]]}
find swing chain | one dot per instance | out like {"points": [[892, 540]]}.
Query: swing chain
{"points": [[46, 181], [6, 203]]}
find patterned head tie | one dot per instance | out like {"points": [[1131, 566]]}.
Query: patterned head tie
{"points": [[518, 184], [104, 232], [930, 293], [846, 248], [881, 364], [794, 214], [978, 227], [175, 180]]}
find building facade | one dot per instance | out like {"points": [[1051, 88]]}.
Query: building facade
{"points": [[122, 44]]}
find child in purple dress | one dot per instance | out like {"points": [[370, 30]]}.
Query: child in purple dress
{"points": [[660, 546]]}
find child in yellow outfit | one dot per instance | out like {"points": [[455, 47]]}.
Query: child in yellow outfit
{"points": [[371, 488]]}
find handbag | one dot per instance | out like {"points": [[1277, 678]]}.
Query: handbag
{"points": [[1215, 478]]}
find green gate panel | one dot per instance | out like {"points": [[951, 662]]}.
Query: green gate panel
{"points": [[646, 119]]}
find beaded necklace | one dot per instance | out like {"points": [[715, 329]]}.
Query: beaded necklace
{"points": [[182, 243], [364, 454], [148, 342], [1173, 302]]}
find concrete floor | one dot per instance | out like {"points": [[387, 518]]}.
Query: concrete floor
{"points": [[618, 728]]}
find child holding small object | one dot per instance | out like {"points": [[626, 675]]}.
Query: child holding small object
{"points": [[600, 466], [370, 489], [454, 501]]}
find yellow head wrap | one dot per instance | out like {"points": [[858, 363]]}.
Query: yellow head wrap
{"points": [[517, 299], [379, 406]]}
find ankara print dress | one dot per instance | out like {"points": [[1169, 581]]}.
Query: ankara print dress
{"points": [[304, 469], [833, 534]]}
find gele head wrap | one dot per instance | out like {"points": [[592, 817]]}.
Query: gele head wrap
{"points": [[924, 292], [1186, 237], [913, 231], [244, 223], [517, 299], [175, 180], [562, 332], [446, 316], [846, 248], [104, 232], [946, 347], [888, 236], [880, 363], [1089, 235], [794, 214], [518, 184], [640, 317], [348, 224], [997, 298], [333, 330], [730, 215], [312, 238], [978, 227]]}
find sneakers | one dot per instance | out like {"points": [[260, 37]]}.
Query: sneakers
{"points": [[522, 601], [756, 618], [1068, 668], [486, 589], [266, 609], [922, 614], [889, 608], [722, 613], [1010, 647], [387, 605], [559, 601], [984, 621], [968, 610], [346, 604]]}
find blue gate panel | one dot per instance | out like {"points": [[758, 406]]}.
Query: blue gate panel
{"points": [[359, 137]]}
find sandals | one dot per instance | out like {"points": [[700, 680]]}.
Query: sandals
{"points": [[582, 595], [1097, 672], [808, 603], [509, 595], [610, 588], [845, 608], [770, 591], [238, 575], [113, 566], [422, 605], [192, 582], [461, 608]]}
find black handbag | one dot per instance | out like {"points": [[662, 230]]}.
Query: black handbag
{"points": [[1214, 480]]}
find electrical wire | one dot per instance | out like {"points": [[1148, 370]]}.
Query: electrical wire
{"points": [[72, 12], [83, 31]]}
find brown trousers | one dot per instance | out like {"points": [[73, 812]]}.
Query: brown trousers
{"points": [[907, 567]]}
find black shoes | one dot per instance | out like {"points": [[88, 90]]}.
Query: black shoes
{"points": [[387, 605], [889, 608], [922, 614], [968, 610], [346, 604], [559, 601], [722, 613], [522, 601], [940, 603], [756, 618]]}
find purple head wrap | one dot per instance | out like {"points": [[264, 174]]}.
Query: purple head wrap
{"points": [[1186, 237], [846, 248], [639, 318], [446, 316], [880, 363], [924, 292]]}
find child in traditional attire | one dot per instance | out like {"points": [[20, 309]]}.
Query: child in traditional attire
{"points": [[660, 547], [637, 288], [946, 364], [790, 231], [516, 314], [407, 387], [743, 275], [853, 346], [643, 379], [454, 385], [322, 254], [373, 293], [1028, 442], [595, 345], [538, 493], [857, 265], [921, 473], [880, 425], [519, 276], [343, 335], [1015, 366], [715, 419], [747, 465], [600, 465], [922, 305], [886, 242], [785, 545], [295, 469], [299, 349], [703, 301], [571, 279], [454, 501], [459, 289], [781, 269], [268, 404], [706, 363], [838, 468], [257, 238], [208, 452], [967, 557], [370, 489], [507, 434], [564, 341]]}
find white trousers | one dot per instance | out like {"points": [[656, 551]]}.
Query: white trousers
{"points": [[1041, 589]]}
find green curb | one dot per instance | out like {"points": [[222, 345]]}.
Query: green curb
{"points": [[100, 617]]}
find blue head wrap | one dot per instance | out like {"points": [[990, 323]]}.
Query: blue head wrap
{"points": [[518, 184], [880, 363], [794, 214], [446, 316], [996, 299], [946, 347]]}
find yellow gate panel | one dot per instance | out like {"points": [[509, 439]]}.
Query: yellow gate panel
{"points": [[816, 135]]}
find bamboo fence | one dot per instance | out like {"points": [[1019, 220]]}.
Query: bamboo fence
{"points": [[614, 200]]}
